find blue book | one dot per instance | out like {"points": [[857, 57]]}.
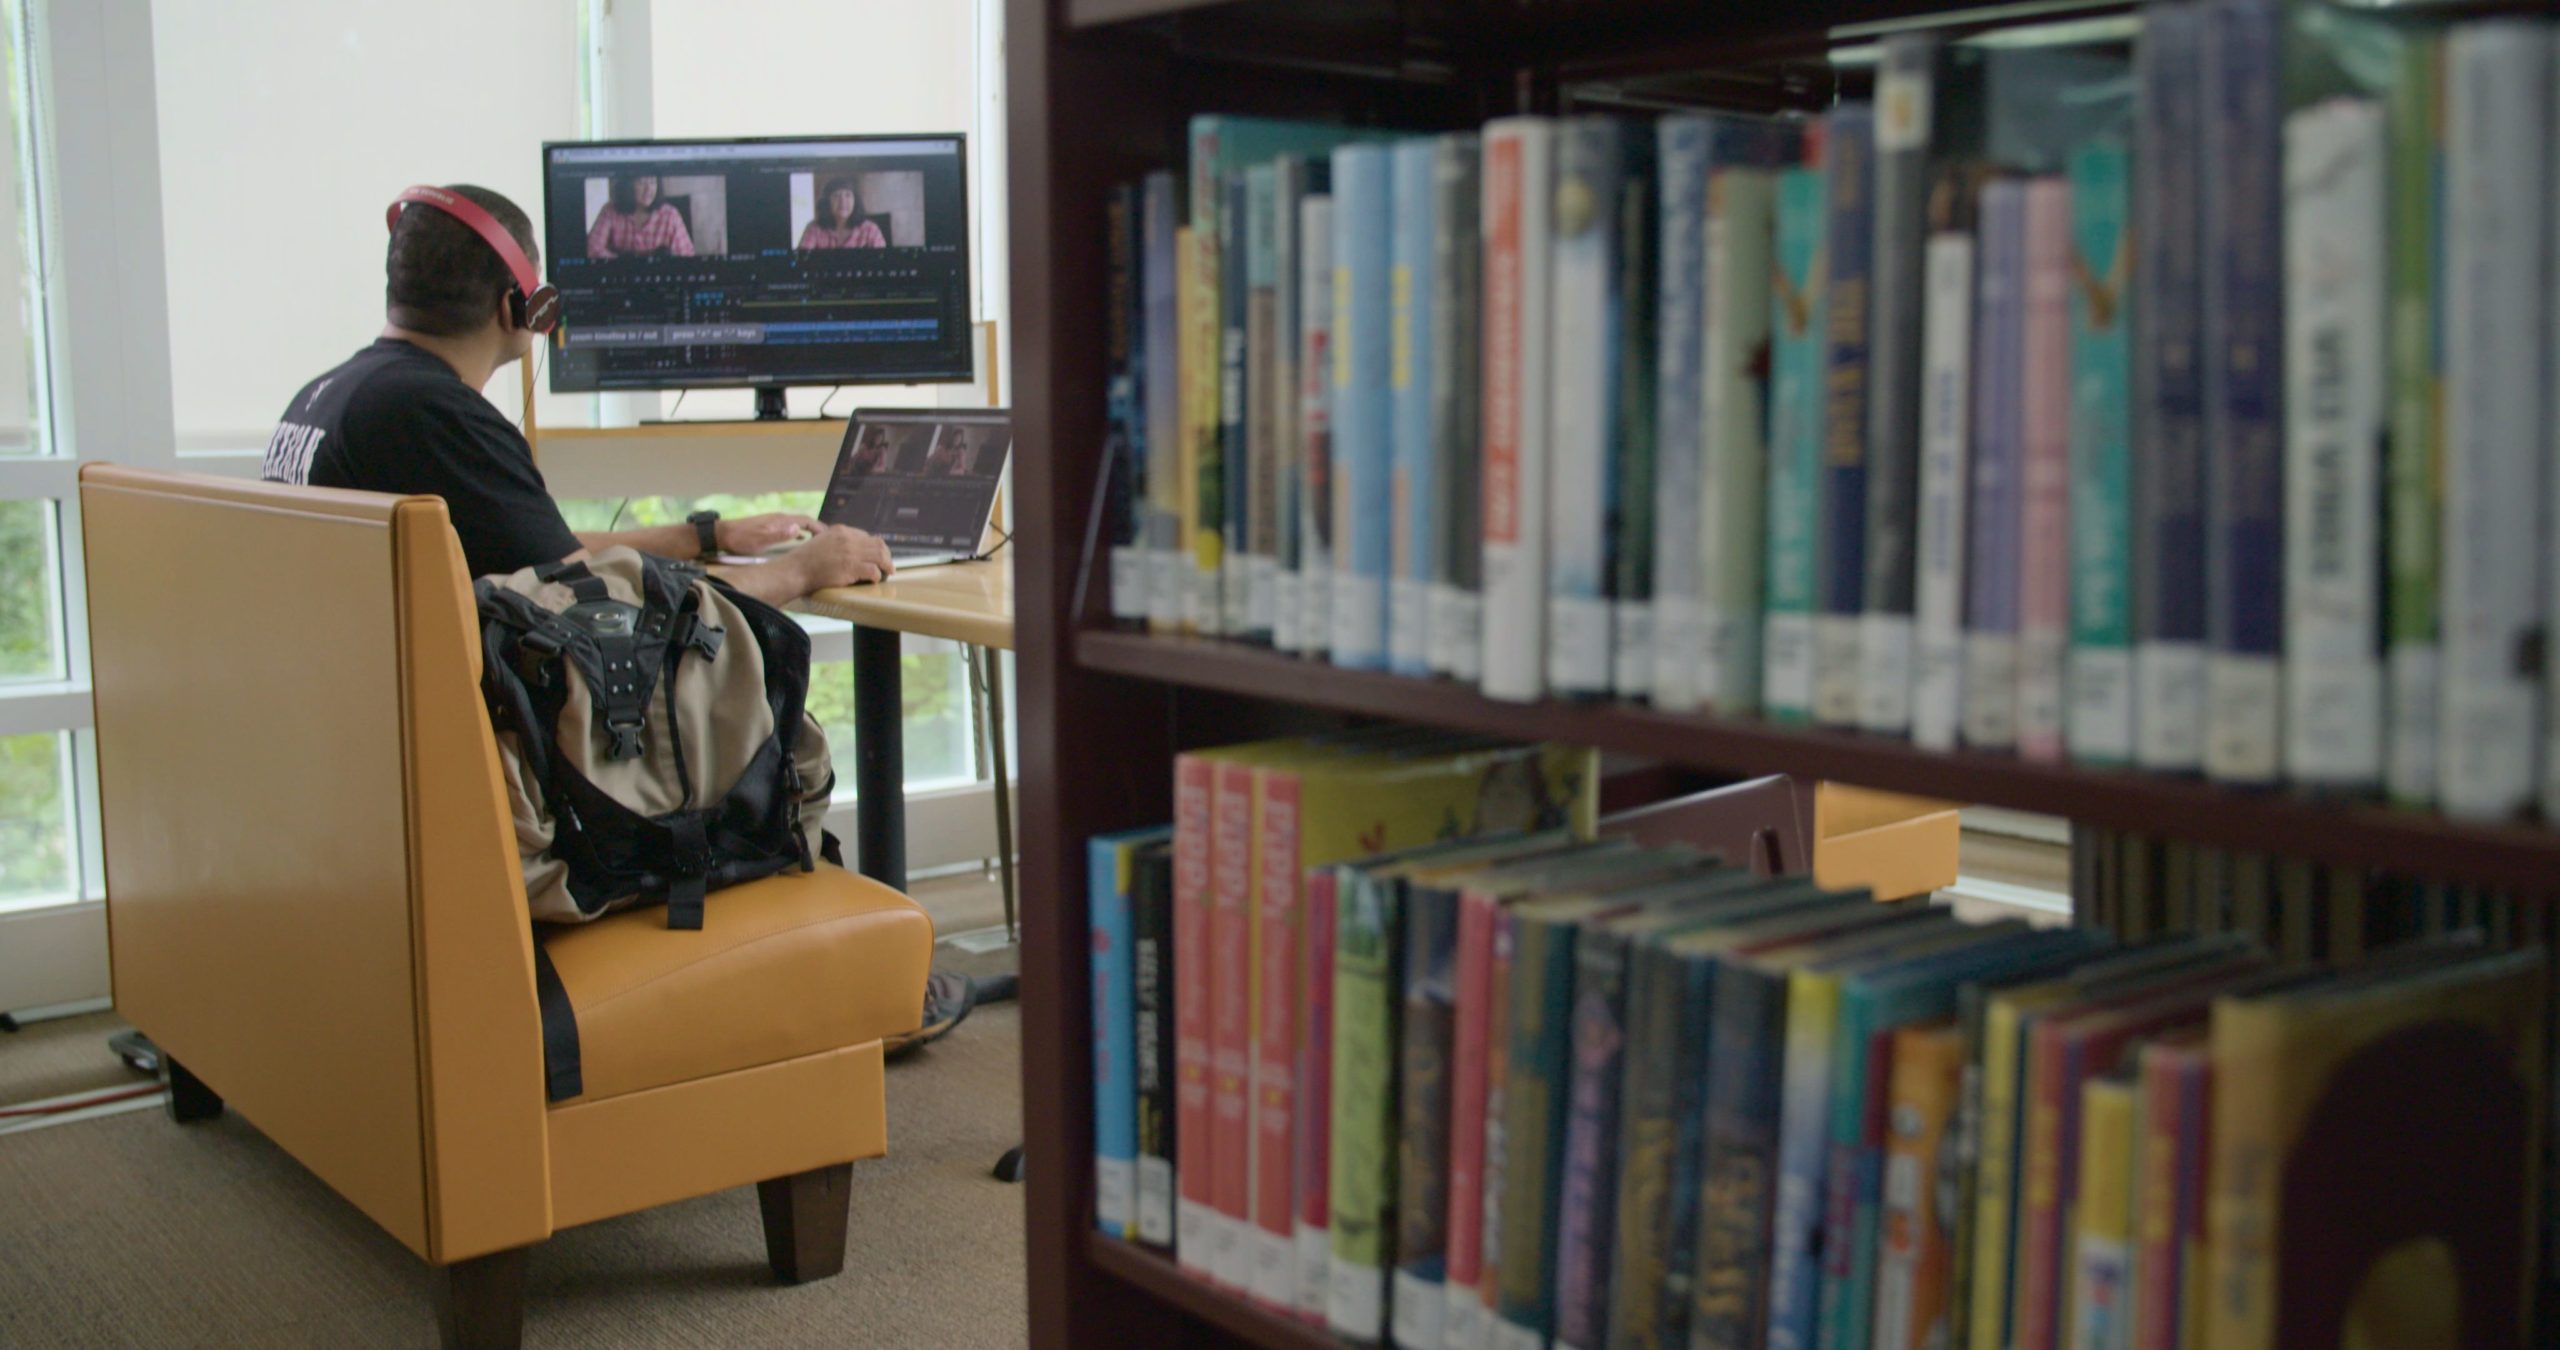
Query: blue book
{"points": [[2098, 678], [1415, 495], [1680, 342], [1995, 513], [2243, 161], [2168, 392], [1583, 378], [1849, 163], [1363, 362], [1115, 1021], [1798, 318]]}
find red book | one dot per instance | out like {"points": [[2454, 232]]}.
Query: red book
{"points": [[1230, 1018], [1194, 1145], [1315, 1100], [2176, 1094], [1467, 1085], [1272, 1240]]}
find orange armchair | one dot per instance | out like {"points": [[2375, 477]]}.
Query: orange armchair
{"points": [[315, 909]]}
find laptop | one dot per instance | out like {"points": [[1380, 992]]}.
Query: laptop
{"points": [[921, 479]]}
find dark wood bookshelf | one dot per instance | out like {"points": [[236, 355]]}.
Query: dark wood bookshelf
{"points": [[1239, 1316]]}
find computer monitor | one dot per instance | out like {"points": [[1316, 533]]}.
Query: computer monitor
{"points": [[759, 263]]}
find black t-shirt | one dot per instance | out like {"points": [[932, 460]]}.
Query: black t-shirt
{"points": [[395, 418]]}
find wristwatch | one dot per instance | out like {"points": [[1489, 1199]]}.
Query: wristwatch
{"points": [[706, 528]]}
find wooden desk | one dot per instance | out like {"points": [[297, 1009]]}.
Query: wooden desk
{"points": [[965, 602]]}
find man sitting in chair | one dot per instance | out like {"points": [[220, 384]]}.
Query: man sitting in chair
{"points": [[405, 415]]}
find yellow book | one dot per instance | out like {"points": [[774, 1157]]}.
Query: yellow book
{"points": [[1995, 1193], [2376, 1160], [1189, 305], [2102, 1227], [1919, 1171], [1201, 607]]}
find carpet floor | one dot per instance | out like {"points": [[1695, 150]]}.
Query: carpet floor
{"points": [[130, 1231]]}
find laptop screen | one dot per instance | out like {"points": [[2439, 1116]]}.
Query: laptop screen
{"points": [[920, 480]]}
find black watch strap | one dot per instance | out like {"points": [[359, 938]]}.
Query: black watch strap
{"points": [[706, 530]]}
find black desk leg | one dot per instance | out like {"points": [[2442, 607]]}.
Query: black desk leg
{"points": [[879, 758]]}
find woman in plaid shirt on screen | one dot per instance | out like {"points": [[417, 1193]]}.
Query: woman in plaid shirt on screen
{"points": [[634, 223]]}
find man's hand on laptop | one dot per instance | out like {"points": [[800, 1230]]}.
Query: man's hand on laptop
{"points": [[750, 535], [839, 555]]}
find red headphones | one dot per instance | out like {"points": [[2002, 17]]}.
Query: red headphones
{"points": [[531, 304]]}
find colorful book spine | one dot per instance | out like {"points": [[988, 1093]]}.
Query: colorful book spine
{"points": [[1519, 160], [1996, 515], [1582, 373], [1737, 1202], [1226, 480], [1363, 355], [1470, 1060], [2098, 676], [1486, 1329], [1315, 415], [1660, 1119], [1278, 918], [1946, 453], [1367, 990], [1288, 442], [1231, 1050], [1534, 1106], [1152, 1042], [1457, 409], [1115, 1083], [1196, 1207], [1423, 1082], [1906, 89], [1312, 1122], [1799, 307], [1795, 1274], [1683, 161], [1733, 490], [2169, 1262], [2102, 1236], [1849, 165], [1911, 1304], [1260, 480], [1414, 487], [1199, 530], [2497, 163], [2416, 123], [2044, 419], [2168, 391], [2335, 160], [1124, 348], [1586, 1216], [1633, 488], [2244, 391], [1162, 390]]}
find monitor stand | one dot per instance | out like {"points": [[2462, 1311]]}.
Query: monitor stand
{"points": [[770, 406]]}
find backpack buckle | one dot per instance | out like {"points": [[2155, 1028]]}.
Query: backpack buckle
{"points": [[626, 737]]}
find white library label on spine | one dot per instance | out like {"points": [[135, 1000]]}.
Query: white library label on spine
{"points": [[1442, 637], [1464, 612], [2244, 716], [1230, 1251], [1200, 600], [1191, 1239], [1155, 1200], [1275, 1268], [1168, 579], [1725, 658], [1288, 610], [1675, 655], [1578, 644], [1510, 1335], [2041, 650], [1115, 1192], [1790, 660], [1359, 619], [1990, 691], [1409, 624], [2416, 700], [2100, 684], [1631, 635], [1884, 680], [1316, 583], [1315, 1268], [2168, 683], [1262, 593], [1836, 662], [1357, 1305], [1128, 583], [1466, 1328], [1420, 1312]]}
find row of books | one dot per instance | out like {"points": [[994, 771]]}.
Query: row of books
{"points": [[1521, 1090], [2184, 408]]}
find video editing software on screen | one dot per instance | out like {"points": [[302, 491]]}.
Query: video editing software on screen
{"points": [[718, 263]]}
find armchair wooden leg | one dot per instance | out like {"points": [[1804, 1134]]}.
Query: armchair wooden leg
{"points": [[804, 1222], [190, 1100], [480, 1302]]}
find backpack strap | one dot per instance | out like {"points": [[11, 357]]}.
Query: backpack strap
{"points": [[561, 1074], [689, 864]]}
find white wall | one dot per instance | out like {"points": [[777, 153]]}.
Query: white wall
{"points": [[286, 126]]}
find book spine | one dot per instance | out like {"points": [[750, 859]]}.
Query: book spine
{"points": [[1315, 423], [1124, 350], [1366, 991], [1457, 401], [1162, 387], [1995, 1190], [2244, 392], [1582, 364], [1849, 163], [2168, 392], [2335, 378], [1232, 483], [1648, 1132], [1795, 1276], [1946, 429], [2049, 1097], [1905, 90], [1534, 1105], [2416, 125], [1196, 1208], [2098, 678], [1203, 505], [1288, 444], [1261, 477], [2044, 418], [2498, 117], [1277, 989], [1586, 1214], [1312, 1126], [1996, 516], [1421, 1303], [1414, 490], [1738, 1200], [2102, 1240], [1152, 1046], [1733, 489], [1798, 308], [1115, 1087], [1464, 1324], [1633, 490], [1518, 177], [2172, 1087], [1363, 352], [1675, 1294], [1488, 1330], [1680, 328], [1914, 1266], [1231, 1019]]}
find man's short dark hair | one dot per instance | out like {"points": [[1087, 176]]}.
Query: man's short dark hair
{"points": [[443, 278]]}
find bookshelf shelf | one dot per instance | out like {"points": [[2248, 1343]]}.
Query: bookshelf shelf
{"points": [[1238, 1316], [2518, 856]]}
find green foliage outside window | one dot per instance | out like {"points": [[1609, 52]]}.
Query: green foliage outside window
{"points": [[28, 592], [35, 846]]}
